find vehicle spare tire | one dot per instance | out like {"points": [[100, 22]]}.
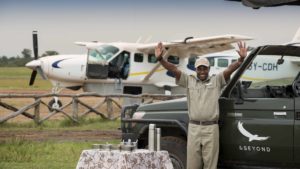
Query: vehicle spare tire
{"points": [[177, 150]]}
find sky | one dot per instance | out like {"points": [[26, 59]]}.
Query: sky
{"points": [[62, 22]]}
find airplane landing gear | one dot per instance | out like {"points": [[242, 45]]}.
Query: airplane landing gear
{"points": [[54, 104]]}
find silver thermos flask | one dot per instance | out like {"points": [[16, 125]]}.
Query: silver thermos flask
{"points": [[151, 137], [158, 135]]}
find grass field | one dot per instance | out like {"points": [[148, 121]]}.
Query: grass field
{"points": [[18, 78], [65, 124], [18, 153], [22, 154]]}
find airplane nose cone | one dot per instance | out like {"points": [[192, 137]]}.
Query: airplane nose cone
{"points": [[33, 64]]}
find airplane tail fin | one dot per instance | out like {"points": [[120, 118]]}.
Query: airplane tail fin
{"points": [[297, 36], [148, 39], [139, 39]]}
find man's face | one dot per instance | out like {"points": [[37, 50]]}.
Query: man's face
{"points": [[202, 72]]}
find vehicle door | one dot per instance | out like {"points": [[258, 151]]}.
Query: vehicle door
{"points": [[258, 116], [296, 87]]}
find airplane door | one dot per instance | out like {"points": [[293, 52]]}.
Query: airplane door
{"points": [[257, 130], [119, 67]]}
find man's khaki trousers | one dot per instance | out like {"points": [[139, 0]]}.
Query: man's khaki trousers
{"points": [[203, 146]]}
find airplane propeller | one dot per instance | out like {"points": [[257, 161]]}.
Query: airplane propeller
{"points": [[35, 44], [32, 77], [35, 52]]}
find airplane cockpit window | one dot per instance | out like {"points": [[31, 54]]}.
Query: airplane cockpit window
{"points": [[222, 62], [102, 54], [173, 59], [266, 78], [138, 57], [152, 58]]}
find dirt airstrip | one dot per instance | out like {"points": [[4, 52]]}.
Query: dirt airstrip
{"points": [[85, 135]]}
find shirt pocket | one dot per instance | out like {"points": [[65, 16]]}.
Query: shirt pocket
{"points": [[193, 90], [210, 86]]}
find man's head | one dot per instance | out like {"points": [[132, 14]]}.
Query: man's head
{"points": [[202, 68]]}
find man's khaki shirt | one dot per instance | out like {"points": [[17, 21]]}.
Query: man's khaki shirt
{"points": [[202, 96]]}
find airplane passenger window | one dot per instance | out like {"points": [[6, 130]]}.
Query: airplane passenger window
{"points": [[173, 59], [211, 61], [222, 63], [191, 62], [152, 58], [138, 57]]}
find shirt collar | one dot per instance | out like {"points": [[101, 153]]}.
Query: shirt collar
{"points": [[204, 81]]}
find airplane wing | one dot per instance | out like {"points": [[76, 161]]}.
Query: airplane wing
{"points": [[198, 46], [88, 44], [194, 46]]}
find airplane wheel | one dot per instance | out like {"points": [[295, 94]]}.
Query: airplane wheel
{"points": [[54, 105]]}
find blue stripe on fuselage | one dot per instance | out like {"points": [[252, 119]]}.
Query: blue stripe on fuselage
{"points": [[55, 64]]}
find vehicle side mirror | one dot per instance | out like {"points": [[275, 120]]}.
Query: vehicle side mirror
{"points": [[280, 61], [246, 84]]}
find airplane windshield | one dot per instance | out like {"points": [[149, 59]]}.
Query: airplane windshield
{"points": [[102, 54]]}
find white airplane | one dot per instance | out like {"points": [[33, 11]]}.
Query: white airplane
{"points": [[262, 69], [133, 65], [128, 68]]}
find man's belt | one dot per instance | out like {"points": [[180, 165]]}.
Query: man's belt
{"points": [[204, 123]]}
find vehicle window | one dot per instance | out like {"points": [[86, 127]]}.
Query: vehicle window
{"points": [[173, 59], [233, 60], [152, 58], [211, 61], [222, 62], [138, 57], [267, 79]]}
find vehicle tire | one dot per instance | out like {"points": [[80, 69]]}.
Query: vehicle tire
{"points": [[52, 104], [177, 150]]}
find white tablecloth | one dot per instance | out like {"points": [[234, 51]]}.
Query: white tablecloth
{"points": [[115, 159]]}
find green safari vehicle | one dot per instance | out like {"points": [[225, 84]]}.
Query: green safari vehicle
{"points": [[259, 115]]}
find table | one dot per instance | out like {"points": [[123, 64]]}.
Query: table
{"points": [[115, 159]]}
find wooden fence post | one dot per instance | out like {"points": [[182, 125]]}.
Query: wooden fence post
{"points": [[75, 108], [109, 107], [37, 112]]}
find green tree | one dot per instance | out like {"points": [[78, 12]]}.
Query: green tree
{"points": [[26, 53], [3, 61]]}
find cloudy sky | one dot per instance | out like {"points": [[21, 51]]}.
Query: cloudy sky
{"points": [[62, 22]]}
